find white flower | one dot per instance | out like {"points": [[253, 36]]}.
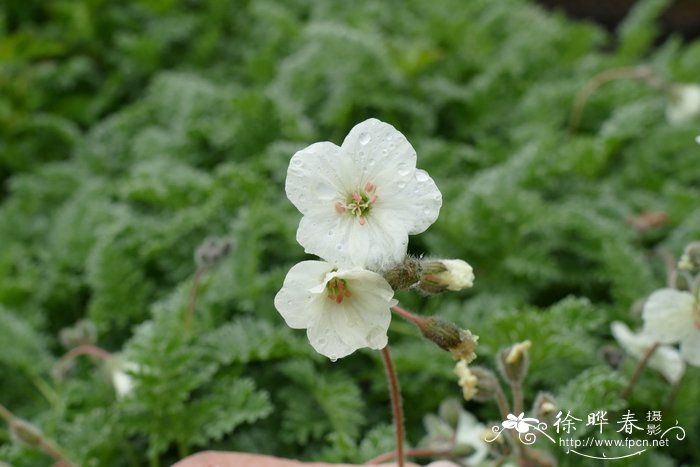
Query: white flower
{"points": [[470, 432], [360, 201], [684, 104], [341, 310], [674, 316], [666, 360], [520, 423], [122, 381]]}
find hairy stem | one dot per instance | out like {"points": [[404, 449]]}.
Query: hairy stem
{"points": [[420, 452], [39, 440], [417, 320], [638, 370], [395, 404], [640, 72], [193, 297], [517, 390]]}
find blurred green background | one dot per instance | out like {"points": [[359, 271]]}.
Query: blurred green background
{"points": [[132, 131]]}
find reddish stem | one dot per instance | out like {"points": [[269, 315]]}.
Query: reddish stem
{"points": [[417, 320], [395, 403]]}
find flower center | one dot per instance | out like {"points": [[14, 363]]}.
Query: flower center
{"points": [[337, 290], [358, 203]]}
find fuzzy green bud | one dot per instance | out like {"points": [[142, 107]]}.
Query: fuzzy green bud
{"points": [[211, 252], [690, 260], [439, 275], [448, 336], [449, 411], [405, 275], [81, 333], [545, 407], [513, 362], [24, 433]]}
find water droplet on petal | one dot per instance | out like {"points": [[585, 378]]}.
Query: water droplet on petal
{"points": [[422, 176], [339, 247], [376, 337], [364, 138], [330, 233], [297, 162], [401, 185], [333, 358]]}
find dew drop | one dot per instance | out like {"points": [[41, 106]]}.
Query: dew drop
{"points": [[364, 138], [297, 162], [370, 162], [401, 185], [376, 337], [330, 233], [421, 176], [333, 358], [426, 211], [339, 247]]}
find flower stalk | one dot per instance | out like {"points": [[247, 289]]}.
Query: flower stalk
{"points": [[396, 408], [639, 370]]}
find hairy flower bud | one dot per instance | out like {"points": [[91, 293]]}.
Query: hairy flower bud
{"points": [[513, 361], [477, 383], [690, 261], [449, 411], [460, 342], [212, 251], [439, 275], [404, 275], [545, 407], [81, 333], [25, 433]]}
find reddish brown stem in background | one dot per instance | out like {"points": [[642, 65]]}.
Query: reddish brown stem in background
{"points": [[395, 404], [638, 370], [425, 452], [193, 297], [84, 349]]}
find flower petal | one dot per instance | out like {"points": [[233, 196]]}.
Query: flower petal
{"points": [[295, 301], [314, 177], [379, 152], [690, 348], [668, 315]]}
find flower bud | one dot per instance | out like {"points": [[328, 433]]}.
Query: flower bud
{"points": [[437, 276], [211, 252], [25, 433], [513, 362], [449, 411], [545, 407], [405, 275], [81, 333], [690, 260], [460, 342], [683, 104], [477, 383]]}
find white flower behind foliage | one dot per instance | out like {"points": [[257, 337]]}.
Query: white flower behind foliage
{"points": [[341, 310], [361, 200], [666, 360], [672, 316], [684, 104]]}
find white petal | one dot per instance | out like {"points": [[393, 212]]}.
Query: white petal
{"points": [[668, 361], [361, 320], [300, 307], [690, 348], [380, 152], [668, 315], [315, 178], [415, 203]]}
